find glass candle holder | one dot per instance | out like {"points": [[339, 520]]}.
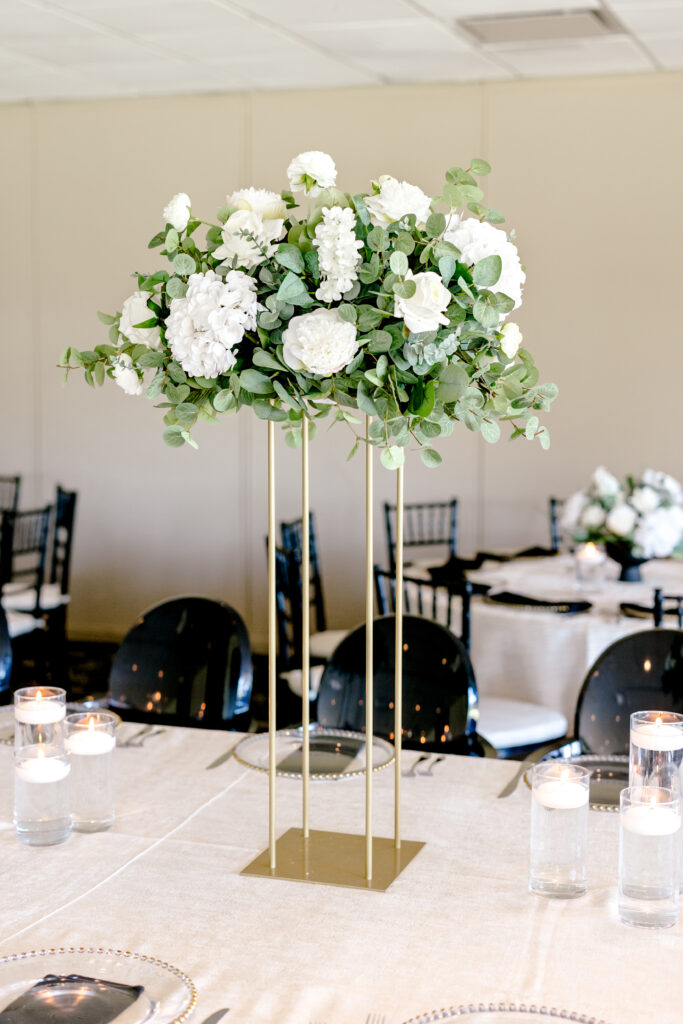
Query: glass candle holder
{"points": [[656, 746], [559, 826], [42, 805], [39, 713], [90, 743], [589, 561], [649, 856]]}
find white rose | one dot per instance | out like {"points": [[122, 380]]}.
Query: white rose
{"points": [[621, 520], [397, 199], [476, 239], [319, 342], [644, 500], [311, 172], [136, 311], [268, 205], [593, 517], [424, 311], [605, 483], [571, 511], [511, 340], [126, 376], [247, 237], [177, 213]]}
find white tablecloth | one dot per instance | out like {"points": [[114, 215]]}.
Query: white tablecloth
{"points": [[458, 926]]}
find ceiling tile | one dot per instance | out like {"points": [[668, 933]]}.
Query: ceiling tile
{"points": [[297, 68], [156, 15], [667, 50], [650, 18], [594, 57], [441, 67], [196, 45], [297, 14], [453, 9], [18, 20], [388, 38], [81, 47]]}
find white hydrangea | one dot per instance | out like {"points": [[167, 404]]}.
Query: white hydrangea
{"points": [[660, 532], [663, 482], [397, 199], [621, 520], [136, 311], [204, 327], [126, 376], [311, 172], [476, 239], [645, 499], [319, 343], [177, 212], [248, 238], [268, 205], [337, 245]]}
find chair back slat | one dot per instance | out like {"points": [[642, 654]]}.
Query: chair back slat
{"points": [[555, 506], [62, 539], [292, 545], [425, 524], [23, 549], [667, 604], [437, 601], [9, 493]]}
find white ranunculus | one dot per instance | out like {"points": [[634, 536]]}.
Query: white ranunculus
{"points": [[621, 520], [660, 532], [397, 199], [605, 483], [126, 376], [311, 172], [337, 245], [268, 205], [593, 516], [136, 311], [511, 340], [177, 213], [248, 239], [424, 311], [645, 499], [476, 239], [319, 343], [571, 511]]}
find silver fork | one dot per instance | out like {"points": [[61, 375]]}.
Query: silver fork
{"points": [[131, 741], [411, 770], [141, 738]]}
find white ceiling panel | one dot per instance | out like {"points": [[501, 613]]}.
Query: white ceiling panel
{"points": [[604, 56], [453, 9], [155, 15], [667, 51], [455, 67], [299, 14], [651, 18], [80, 48], [389, 38]]}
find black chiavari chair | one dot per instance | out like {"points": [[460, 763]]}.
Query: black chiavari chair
{"points": [[23, 553], [425, 525], [9, 493], [450, 605], [292, 546], [554, 512]]}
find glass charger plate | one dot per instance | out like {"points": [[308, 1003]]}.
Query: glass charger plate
{"points": [[46, 986], [334, 753], [504, 1013], [609, 775], [72, 708]]}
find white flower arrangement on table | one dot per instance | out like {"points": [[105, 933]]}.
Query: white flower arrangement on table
{"points": [[379, 303], [643, 516]]}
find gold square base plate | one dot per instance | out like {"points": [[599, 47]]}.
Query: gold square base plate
{"points": [[334, 858]]}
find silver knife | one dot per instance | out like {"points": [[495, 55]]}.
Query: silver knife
{"points": [[223, 758]]}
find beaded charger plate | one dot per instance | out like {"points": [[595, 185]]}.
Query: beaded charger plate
{"points": [[504, 1013], [92, 986], [334, 753], [609, 775]]}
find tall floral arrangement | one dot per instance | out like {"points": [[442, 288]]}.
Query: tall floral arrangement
{"points": [[643, 515], [391, 303]]}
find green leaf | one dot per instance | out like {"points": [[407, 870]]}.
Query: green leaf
{"points": [[485, 314], [405, 289], [378, 239], [172, 239], [223, 213], [151, 322], [151, 359], [223, 400], [422, 398], [430, 457], [364, 401], [446, 268], [436, 225], [265, 359], [380, 341], [368, 318], [531, 427], [106, 319], [176, 373], [188, 440], [495, 217], [255, 382], [487, 271], [398, 262], [454, 195], [99, 373], [173, 437], [265, 411], [544, 438], [186, 413], [453, 382], [347, 313], [480, 167], [184, 264], [290, 256], [404, 242], [490, 431], [175, 288], [285, 396], [392, 457], [291, 288]]}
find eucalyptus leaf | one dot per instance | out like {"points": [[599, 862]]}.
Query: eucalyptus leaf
{"points": [[487, 271], [392, 457], [430, 457], [398, 261]]}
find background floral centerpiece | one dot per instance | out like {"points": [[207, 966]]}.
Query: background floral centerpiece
{"points": [[635, 519], [392, 304]]}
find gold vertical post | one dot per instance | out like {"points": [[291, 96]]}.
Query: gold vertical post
{"points": [[305, 619], [398, 659], [272, 643], [369, 620]]}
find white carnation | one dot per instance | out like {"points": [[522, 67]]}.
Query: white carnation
{"points": [[605, 483], [319, 342], [476, 239], [621, 520], [177, 213], [397, 199], [248, 238], [204, 327], [572, 511], [311, 172], [424, 311], [660, 532], [337, 245], [511, 340], [268, 205], [126, 376], [136, 311], [593, 516]]}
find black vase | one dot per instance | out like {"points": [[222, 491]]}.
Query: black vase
{"points": [[629, 564]]}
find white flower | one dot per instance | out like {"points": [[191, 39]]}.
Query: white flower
{"points": [[476, 239], [248, 238], [593, 516], [397, 199], [511, 340], [204, 327], [337, 245], [664, 482], [126, 376], [268, 205], [136, 311], [644, 499], [311, 172], [660, 532], [621, 520], [177, 213], [319, 342], [425, 310], [604, 483], [571, 511]]}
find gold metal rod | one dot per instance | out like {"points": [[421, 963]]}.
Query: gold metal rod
{"points": [[398, 659], [272, 643], [305, 618], [369, 625]]}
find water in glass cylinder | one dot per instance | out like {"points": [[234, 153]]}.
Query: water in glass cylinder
{"points": [[42, 811]]}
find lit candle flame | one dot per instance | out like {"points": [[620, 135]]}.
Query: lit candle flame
{"points": [[590, 548], [658, 722], [41, 752], [39, 695], [91, 725]]}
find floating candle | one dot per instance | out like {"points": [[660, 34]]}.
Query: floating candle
{"points": [[43, 708], [590, 555], [90, 741], [651, 820], [657, 735], [42, 769], [561, 794]]}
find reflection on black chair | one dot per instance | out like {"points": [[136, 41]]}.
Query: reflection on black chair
{"points": [[9, 493], [5, 658], [186, 661], [425, 525], [439, 691], [448, 604]]}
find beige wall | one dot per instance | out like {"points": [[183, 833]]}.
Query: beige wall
{"points": [[587, 170]]}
